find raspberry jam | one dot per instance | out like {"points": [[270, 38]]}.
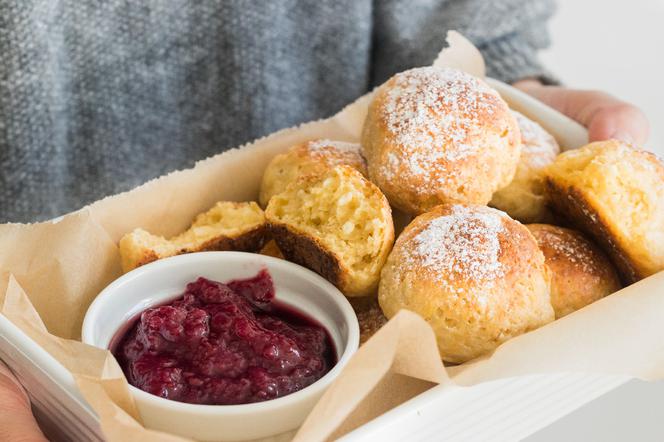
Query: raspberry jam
{"points": [[224, 343]]}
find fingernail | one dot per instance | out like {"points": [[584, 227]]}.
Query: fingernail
{"points": [[624, 137]]}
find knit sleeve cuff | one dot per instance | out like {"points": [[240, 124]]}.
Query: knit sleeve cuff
{"points": [[510, 59]]}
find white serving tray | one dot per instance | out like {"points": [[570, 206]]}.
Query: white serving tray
{"points": [[508, 409]]}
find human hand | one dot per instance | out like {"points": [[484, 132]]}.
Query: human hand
{"points": [[16, 420], [602, 114]]}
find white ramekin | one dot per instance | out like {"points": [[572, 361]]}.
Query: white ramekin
{"points": [[165, 279]]}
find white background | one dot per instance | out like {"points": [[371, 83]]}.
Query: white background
{"points": [[616, 46]]}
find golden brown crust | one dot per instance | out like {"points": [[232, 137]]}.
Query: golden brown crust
{"points": [[338, 224], [477, 276], [250, 241], [226, 226], [614, 193], [146, 257], [369, 315], [581, 272], [571, 203], [307, 251], [466, 131]]}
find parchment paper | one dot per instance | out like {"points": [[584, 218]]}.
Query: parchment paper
{"points": [[50, 272]]}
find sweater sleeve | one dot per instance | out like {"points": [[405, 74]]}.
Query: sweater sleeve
{"points": [[509, 33], [511, 51]]}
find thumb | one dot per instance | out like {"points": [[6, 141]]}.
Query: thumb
{"points": [[16, 419], [621, 121], [602, 114]]}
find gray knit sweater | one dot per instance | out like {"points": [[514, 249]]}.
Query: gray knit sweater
{"points": [[98, 96]]}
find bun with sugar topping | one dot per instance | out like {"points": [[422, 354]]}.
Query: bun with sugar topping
{"points": [[473, 273], [435, 136], [338, 224], [580, 272], [524, 198], [309, 158], [615, 194]]}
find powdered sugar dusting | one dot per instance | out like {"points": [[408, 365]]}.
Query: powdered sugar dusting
{"points": [[432, 113], [570, 247], [334, 152], [341, 146], [539, 147], [392, 165], [463, 245]]}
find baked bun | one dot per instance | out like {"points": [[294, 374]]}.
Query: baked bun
{"points": [[338, 224], [615, 194], [435, 135], [473, 273], [369, 316], [524, 198], [226, 226], [580, 272], [310, 158]]}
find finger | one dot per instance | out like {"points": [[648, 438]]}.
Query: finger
{"points": [[620, 121], [16, 420], [602, 114]]}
